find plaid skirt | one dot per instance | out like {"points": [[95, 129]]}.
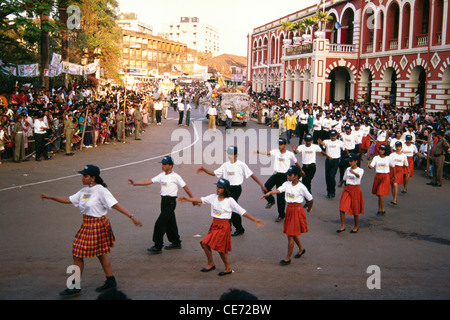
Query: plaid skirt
{"points": [[219, 237], [295, 221], [95, 238]]}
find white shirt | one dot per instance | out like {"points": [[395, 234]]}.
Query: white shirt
{"points": [[37, 126], [295, 194], [303, 118], [169, 183], [233, 172], [222, 209], [394, 141], [212, 111], [412, 134], [283, 161], [317, 124], [398, 159], [349, 140], [381, 165], [93, 201], [333, 148], [326, 124], [358, 135], [350, 178], [410, 150], [228, 114], [381, 135], [309, 153], [365, 129], [158, 105]]}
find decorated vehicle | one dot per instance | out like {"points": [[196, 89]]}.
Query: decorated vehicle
{"points": [[240, 107]]}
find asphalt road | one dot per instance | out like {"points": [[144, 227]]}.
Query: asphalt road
{"points": [[409, 246]]}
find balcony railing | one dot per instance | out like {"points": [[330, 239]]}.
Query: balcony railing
{"points": [[335, 47], [393, 44], [422, 40]]}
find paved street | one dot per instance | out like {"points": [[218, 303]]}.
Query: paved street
{"points": [[410, 244]]}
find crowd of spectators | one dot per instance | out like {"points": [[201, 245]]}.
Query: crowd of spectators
{"points": [[423, 125]]}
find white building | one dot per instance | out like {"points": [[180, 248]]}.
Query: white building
{"points": [[195, 34], [129, 21]]}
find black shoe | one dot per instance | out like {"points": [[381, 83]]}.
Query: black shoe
{"points": [[437, 185], [154, 250], [332, 195], [284, 262], [37, 159], [110, 283], [173, 246], [298, 255], [237, 233], [68, 293], [138, 139], [278, 219], [431, 183]]}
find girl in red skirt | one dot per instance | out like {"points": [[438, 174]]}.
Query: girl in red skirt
{"points": [[409, 149], [295, 222], [219, 237], [399, 167], [381, 183], [352, 200], [95, 237], [382, 137]]}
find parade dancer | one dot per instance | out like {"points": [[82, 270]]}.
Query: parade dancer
{"points": [[399, 167], [166, 222], [352, 201], [235, 171], [295, 223], [95, 237], [283, 160], [218, 237], [381, 183]]}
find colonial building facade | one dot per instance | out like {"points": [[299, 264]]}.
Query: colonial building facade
{"points": [[395, 51]]}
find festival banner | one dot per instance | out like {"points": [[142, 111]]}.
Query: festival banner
{"points": [[28, 70], [56, 60]]}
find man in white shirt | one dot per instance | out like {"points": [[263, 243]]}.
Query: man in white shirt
{"points": [[235, 171], [180, 109], [228, 119], [212, 113], [283, 161], [158, 106], [166, 224], [333, 149], [308, 152], [349, 140]]}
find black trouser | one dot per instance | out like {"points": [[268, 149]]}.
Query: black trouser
{"points": [[158, 116], [228, 123], [317, 134], [331, 167], [166, 223], [39, 139], [310, 171], [180, 117], [303, 130], [277, 179], [236, 219], [325, 135]]}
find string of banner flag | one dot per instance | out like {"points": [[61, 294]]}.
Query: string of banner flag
{"points": [[56, 67]]}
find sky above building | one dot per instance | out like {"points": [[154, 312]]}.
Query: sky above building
{"points": [[233, 19]]}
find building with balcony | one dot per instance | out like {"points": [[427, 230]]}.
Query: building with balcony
{"points": [[388, 50]]}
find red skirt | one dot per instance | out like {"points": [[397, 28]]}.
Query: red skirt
{"points": [[295, 220], [365, 143], [381, 184], [95, 238], [377, 146], [352, 200], [399, 171], [411, 166], [219, 237]]}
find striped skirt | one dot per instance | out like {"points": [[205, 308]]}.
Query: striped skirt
{"points": [[381, 184], [352, 200], [295, 220], [219, 237], [95, 238]]}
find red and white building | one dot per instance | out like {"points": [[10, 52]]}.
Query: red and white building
{"points": [[375, 50]]}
